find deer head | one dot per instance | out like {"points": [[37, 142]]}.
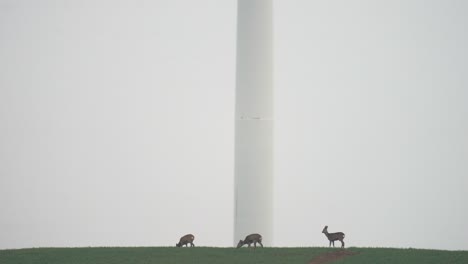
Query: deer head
{"points": [[325, 230], [240, 244]]}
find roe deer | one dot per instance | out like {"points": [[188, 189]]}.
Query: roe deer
{"points": [[252, 238], [185, 240], [332, 237]]}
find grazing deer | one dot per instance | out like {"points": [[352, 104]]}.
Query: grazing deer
{"points": [[252, 238], [332, 237], [185, 240]]}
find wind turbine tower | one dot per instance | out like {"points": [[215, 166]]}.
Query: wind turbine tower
{"points": [[254, 121]]}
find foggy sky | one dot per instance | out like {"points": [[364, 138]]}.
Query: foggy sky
{"points": [[117, 123]]}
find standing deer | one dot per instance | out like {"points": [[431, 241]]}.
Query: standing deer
{"points": [[332, 237], [252, 238], [185, 240]]}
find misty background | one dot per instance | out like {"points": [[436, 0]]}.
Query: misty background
{"points": [[117, 122]]}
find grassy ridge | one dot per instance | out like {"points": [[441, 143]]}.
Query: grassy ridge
{"points": [[160, 255], [405, 256], [205, 255]]}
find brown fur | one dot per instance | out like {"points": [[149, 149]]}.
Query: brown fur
{"points": [[332, 237], [185, 240], [252, 238]]}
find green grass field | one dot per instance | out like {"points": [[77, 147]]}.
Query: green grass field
{"points": [[206, 255]]}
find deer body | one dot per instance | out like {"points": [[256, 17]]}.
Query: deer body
{"points": [[332, 237], [185, 240], [252, 238]]}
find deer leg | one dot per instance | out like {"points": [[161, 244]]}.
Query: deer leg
{"points": [[255, 244], [249, 244], [330, 244], [192, 244], [260, 243], [342, 243]]}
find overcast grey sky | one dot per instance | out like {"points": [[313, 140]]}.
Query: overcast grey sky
{"points": [[117, 122]]}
